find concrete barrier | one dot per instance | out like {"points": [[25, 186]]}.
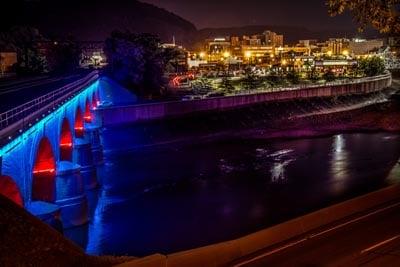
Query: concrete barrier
{"points": [[223, 253], [112, 115]]}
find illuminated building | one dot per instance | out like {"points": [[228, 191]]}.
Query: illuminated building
{"points": [[273, 39], [337, 45], [361, 47], [216, 48]]}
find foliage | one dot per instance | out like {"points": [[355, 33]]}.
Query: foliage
{"points": [[313, 75], [371, 66], [329, 76], [24, 41], [383, 15], [226, 85], [63, 56], [293, 77], [171, 56], [136, 61], [201, 85], [250, 80]]}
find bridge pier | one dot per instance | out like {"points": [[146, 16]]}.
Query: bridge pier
{"points": [[70, 194], [82, 155], [92, 134]]}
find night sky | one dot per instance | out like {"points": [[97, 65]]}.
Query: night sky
{"points": [[226, 13]]}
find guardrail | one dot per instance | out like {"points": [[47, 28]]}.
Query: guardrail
{"points": [[42, 103], [302, 86]]}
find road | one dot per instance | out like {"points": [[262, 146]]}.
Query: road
{"points": [[372, 239], [17, 92]]}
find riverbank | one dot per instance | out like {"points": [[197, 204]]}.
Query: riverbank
{"points": [[26, 241], [380, 117]]}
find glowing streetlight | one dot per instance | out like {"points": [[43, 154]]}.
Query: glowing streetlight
{"points": [[202, 55], [226, 54], [284, 62], [329, 53], [247, 54], [345, 53]]}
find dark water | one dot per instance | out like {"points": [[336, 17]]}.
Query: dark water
{"points": [[169, 199]]}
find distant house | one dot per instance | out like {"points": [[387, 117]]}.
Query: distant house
{"points": [[92, 54], [7, 61]]}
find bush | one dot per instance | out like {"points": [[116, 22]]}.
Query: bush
{"points": [[371, 66], [329, 76], [293, 77]]}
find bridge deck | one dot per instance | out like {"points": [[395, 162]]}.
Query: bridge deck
{"points": [[18, 92]]}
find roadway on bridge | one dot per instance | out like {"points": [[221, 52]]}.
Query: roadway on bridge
{"points": [[372, 239], [19, 91]]}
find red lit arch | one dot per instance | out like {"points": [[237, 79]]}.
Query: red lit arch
{"points": [[88, 114], [66, 141], [78, 123], [44, 170], [9, 189]]}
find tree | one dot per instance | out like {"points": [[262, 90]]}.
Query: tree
{"points": [[250, 80], [171, 57], [371, 66], [136, 61], [202, 85], [383, 15], [226, 85], [329, 76], [293, 77], [25, 42], [313, 74], [63, 56]]}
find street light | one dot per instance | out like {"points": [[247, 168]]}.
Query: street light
{"points": [[329, 53], [226, 54], [345, 53], [202, 55], [247, 54]]}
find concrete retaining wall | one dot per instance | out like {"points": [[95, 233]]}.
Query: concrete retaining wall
{"points": [[136, 113], [223, 253]]}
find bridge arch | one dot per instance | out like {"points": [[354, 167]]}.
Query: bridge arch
{"points": [[88, 113], [44, 172], [10, 190], [78, 126], [66, 141]]}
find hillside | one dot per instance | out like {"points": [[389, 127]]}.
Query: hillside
{"points": [[94, 20]]}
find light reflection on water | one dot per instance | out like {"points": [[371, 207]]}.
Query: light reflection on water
{"points": [[339, 164], [165, 200]]}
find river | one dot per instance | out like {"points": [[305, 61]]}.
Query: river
{"points": [[173, 198]]}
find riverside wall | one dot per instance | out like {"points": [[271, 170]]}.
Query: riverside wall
{"points": [[114, 115]]}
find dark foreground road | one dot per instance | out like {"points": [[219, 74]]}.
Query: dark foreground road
{"points": [[371, 239]]}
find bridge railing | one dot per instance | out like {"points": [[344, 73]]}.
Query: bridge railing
{"points": [[303, 86], [38, 105]]}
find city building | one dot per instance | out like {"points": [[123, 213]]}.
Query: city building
{"points": [[273, 39], [358, 47], [217, 49], [7, 61], [336, 46], [92, 54], [338, 66]]}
